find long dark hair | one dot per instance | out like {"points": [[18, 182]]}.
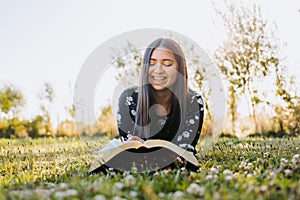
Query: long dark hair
{"points": [[146, 92]]}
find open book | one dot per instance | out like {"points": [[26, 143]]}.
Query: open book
{"points": [[150, 155]]}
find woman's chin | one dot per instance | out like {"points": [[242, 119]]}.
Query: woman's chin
{"points": [[159, 87]]}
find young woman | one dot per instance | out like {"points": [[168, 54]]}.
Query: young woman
{"points": [[162, 107]]}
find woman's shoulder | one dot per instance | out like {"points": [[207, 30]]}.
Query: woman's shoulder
{"points": [[129, 94], [195, 96], [130, 90]]}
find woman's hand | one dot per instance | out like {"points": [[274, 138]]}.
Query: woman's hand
{"points": [[180, 161], [135, 138]]}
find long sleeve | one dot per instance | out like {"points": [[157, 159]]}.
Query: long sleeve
{"points": [[189, 136], [126, 113]]}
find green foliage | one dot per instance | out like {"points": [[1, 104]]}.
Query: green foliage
{"points": [[106, 124], [46, 96], [68, 128], [250, 54], [288, 112], [11, 125], [40, 127], [13, 128], [47, 93], [11, 99], [56, 168], [128, 63], [11, 102]]}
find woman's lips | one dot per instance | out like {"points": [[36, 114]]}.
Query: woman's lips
{"points": [[159, 78]]}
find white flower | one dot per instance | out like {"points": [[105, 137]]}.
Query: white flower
{"points": [[227, 172], [249, 175], [63, 194], [127, 103], [209, 176], [195, 189], [235, 175], [161, 195], [296, 156], [296, 159], [283, 161], [133, 112], [228, 177], [193, 97], [128, 100], [118, 198], [266, 154], [263, 188], [99, 197], [178, 194], [229, 143], [63, 186], [243, 165], [161, 122], [288, 173], [129, 180], [214, 171], [186, 134], [119, 117], [196, 117], [249, 166], [117, 187], [183, 169], [191, 121], [133, 193], [272, 174], [179, 138], [200, 101]]}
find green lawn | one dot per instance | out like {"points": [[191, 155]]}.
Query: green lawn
{"points": [[56, 168]]}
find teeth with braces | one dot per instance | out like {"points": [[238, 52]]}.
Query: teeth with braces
{"points": [[159, 78]]}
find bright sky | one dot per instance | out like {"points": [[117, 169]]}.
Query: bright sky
{"points": [[48, 41]]}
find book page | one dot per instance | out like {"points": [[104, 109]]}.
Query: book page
{"points": [[114, 143], [121, 149]]}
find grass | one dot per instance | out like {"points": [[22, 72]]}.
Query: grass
{"points": [[56, 168]]}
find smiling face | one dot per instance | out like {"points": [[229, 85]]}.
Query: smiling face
{"points": [[162, 71]]}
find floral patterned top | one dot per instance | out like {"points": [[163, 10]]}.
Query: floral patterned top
{"points": [[162, 126]]}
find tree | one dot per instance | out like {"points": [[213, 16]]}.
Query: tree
{"points": [[46, 96], [128, 61], [106, 123], [11, 100], [250, 54], [288, 113]]}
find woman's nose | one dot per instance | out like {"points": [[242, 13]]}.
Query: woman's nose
{"points": [[158, 68]]}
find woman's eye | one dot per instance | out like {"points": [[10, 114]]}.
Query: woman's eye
{"points": [[168, 64], [152, 62]]}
